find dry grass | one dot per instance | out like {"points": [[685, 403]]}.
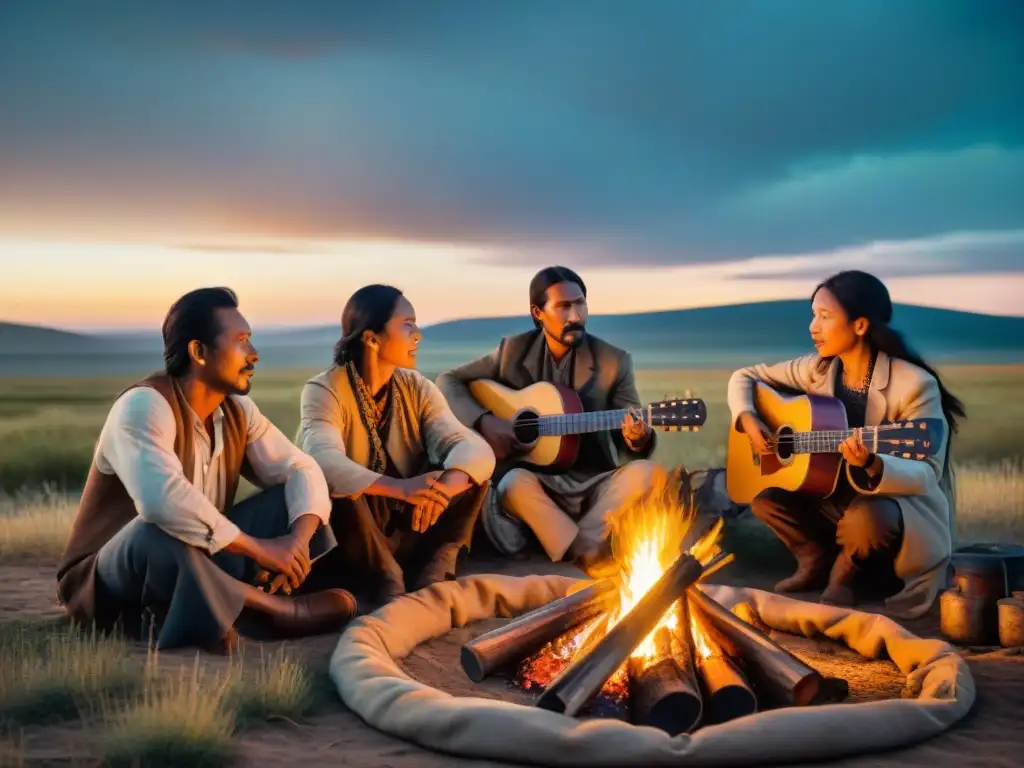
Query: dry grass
{"points": [[48, 672], [190, 716], [145, 714], [35, 526], [277, 686], [185, 719], [990, 503]]}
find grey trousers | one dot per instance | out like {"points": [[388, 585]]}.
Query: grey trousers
{"points": [[194, 597]]}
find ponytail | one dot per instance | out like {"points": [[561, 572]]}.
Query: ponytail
{"points": [[349, 349], [885, 338]]}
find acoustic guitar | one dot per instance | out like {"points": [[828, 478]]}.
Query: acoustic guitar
{"points": [[548, 419], [807, 431]]}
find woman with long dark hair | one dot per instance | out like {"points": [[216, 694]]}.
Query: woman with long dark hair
{"points": [[407, 478], [887, 527]]}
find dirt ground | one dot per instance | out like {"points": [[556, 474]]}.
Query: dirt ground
{"points": [[991, 735]]}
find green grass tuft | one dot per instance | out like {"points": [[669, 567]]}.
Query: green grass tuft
{"points": [[278, 687], [184, 720], [48, 673]]}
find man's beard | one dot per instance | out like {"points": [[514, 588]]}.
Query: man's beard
{"points": [[244, 389], [569, 341]]}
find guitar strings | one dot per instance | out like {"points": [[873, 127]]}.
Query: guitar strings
{"points": [[535, 422], [889, 441], [825, 433]]}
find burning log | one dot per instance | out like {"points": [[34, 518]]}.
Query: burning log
{"points": [[585, 676], [663, 690], [528, 633], [727, 692], [729, 695], [781, 674]]}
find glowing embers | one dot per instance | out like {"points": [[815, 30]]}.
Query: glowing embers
{"points": [[645, 643]]}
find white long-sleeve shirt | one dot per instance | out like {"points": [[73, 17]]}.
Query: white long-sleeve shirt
{"points": [[137, 444]]}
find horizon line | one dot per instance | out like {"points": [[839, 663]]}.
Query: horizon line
{"points": [[317, 326]]}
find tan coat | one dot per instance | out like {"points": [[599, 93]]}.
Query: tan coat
{"points": [[899, 390], [423, 432]]}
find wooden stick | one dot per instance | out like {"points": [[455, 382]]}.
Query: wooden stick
{"points": [[578, 682], [728, 694], [528, 633], [782, 675], [663, 691]]}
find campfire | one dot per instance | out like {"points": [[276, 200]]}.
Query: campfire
{"points": [[647, 643]]}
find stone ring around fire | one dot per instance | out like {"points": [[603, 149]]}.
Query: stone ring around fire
{"points": [[371, 684]]}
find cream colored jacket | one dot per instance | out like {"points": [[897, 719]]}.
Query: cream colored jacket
{"points": [[899, 390], [423, 432]]}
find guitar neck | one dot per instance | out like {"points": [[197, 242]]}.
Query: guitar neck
{"points": [[578, 423], [829, 440]]}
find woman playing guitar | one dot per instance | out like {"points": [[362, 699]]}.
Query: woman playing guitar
{"points": [[887, 526]]}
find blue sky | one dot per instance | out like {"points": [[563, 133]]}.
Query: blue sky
{"points": [[703, 152]]}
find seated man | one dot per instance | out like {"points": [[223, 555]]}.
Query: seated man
{"points": [[157, 530], [408, 479], [569, 513]]}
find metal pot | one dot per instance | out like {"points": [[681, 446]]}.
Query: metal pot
{"points": [[967, 620], [982, 565]]}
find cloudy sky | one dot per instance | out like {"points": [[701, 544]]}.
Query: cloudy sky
{"points": [[676, 153]]}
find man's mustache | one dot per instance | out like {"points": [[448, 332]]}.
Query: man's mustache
{"points": [[572, 327]]}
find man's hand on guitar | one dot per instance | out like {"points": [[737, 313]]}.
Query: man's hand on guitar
{"points": [[635, 431], [500, 436], [757, 432]]}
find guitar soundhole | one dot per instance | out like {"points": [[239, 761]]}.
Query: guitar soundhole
{"points": [[784, 448], [526, 428]]}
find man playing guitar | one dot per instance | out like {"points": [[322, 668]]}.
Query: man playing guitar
{"points": [[569, 513]]}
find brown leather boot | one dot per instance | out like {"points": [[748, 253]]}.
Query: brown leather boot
{"points": [[314, 613], [838, 591], [811, 567]]}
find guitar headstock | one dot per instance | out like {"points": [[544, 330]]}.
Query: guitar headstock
{"points": [[916, 439], [683, 413]]}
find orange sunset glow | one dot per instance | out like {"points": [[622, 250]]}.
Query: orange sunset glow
{"points": [[128, 286]]}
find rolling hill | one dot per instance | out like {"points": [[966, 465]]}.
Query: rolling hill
{"points": [[19, 339], [709, 336]]}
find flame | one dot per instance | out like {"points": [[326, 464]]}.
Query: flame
{"points": [[646, 540], [700, 641]]}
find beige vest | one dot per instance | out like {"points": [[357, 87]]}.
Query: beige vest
{"points": [[105, 507]]}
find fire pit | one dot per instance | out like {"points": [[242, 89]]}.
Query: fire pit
{"points": [[645, 645], [577, 645]]}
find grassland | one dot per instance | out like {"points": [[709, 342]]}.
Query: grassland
{"points": [[48, 428], [139, 710]]}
